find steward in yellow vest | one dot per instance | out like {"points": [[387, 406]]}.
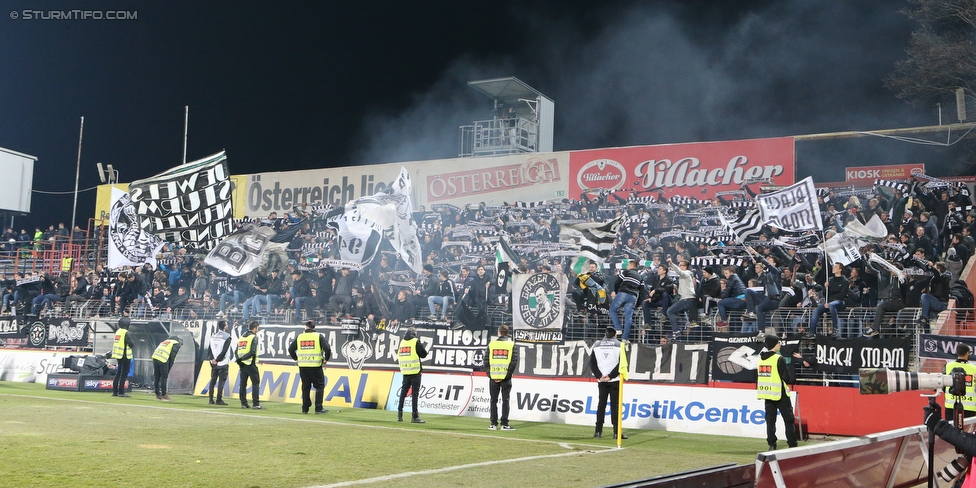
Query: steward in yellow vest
{"points": [[409, 354], [967, 401], [122, 352], [247, 361], [163, 358], [311, 351], [773, 376], [501, 359]]}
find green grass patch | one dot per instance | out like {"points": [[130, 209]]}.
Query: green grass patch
{"points": [[53, 438]]}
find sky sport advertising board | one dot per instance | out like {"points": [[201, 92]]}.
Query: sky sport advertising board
{"points": [[697, 170]]}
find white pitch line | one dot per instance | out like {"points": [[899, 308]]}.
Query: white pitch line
{"points": [[391, 477]]}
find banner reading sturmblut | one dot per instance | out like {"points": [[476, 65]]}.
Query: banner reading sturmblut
{"points": [[538, 307], [189, 205]]}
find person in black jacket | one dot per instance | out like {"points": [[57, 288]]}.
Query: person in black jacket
{"points": [[81, 292], [301, 292], [247, 362], [660, 289], [403, 309], [937, 298], [625, 295], [770, 277], [442, 295], [837, 291], [964, 442]]}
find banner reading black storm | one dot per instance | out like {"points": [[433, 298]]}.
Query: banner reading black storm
{"points": [[538, 307], [189, 205]]}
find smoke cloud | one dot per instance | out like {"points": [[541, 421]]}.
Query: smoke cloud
{"points": [[652, 74]]}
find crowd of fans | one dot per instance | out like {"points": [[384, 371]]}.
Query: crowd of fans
{"points": [[683, 254]]}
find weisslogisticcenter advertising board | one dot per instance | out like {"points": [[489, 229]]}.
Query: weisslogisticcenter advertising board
{"points": [[656, 407], [697, 170]]}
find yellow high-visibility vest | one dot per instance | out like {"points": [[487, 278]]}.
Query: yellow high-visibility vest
{"points": [[243, 346], [500, 358], [309, 350], [969, 399], [118, 347], [408, 358], [163, 350], [770, 384]]}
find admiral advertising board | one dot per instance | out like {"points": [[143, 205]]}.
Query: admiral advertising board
{"points": [[280, 383], [697, 170]]}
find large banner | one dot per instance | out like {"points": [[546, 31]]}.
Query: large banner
{"points": [[735, 357], [697, 170], [463, 351], [792, 209], [846, 356], [46, 332], [189, 205], [128, 244], [538, 307]]}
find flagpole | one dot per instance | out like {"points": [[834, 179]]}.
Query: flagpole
{"points": [[186, 124], [74, 209], [620, 413]]}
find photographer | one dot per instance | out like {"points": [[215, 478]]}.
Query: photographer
{"points": [[963, 441]]}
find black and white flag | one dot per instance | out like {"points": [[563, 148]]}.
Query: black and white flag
{"points": [[793, 208], [595, 239], [750, 224], [128, 244], [241, 252], [189, 205]]}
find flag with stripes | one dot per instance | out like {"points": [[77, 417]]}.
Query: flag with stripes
{"points": [[506, 260], [748, 225], [595, 239]]}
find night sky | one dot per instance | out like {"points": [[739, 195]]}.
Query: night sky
{"points": [[320, 84]]}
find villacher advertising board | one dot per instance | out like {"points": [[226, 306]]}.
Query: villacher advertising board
{"points": [[698, 170]]}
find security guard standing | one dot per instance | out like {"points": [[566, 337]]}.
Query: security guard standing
{"points": [[247, 361], [968, 401], [311, 351], [219, 355], [163, 358], [409, 354], [605, 366], [502, 361], [122, 352], [771, 387]]}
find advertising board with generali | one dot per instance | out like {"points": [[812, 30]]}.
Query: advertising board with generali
{"points": [[700, 169]]}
